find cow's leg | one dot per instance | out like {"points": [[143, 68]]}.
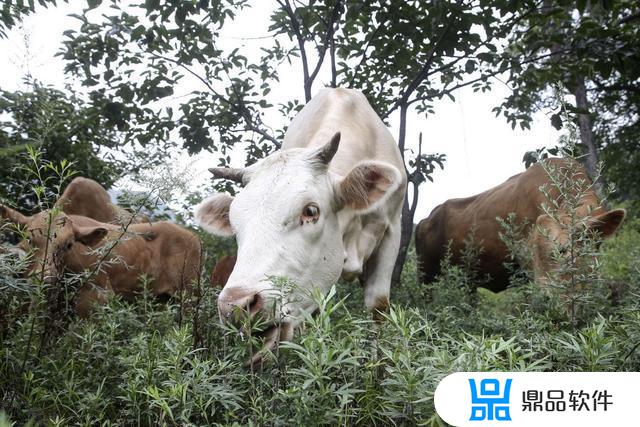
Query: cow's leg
{"points": [[378, 272], [377, 282], [361, 242], [427, 272]]}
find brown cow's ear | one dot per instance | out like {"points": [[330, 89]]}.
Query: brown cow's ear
{"points": [[367, 184], [607, 223], [89, 235], [14, 216], [544, 221], [546, 228], [213, 215]]}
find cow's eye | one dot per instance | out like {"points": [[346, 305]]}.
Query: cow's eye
{"points": [[310, 213]]}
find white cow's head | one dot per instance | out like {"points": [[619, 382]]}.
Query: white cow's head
{"points": [[286, 224]]}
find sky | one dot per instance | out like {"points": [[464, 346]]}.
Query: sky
{"points": [[482, 150]]}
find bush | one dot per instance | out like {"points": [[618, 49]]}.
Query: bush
{"points": [[149, 363]]}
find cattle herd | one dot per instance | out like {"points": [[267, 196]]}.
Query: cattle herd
{"points": [[326, 205], [85, 232]]}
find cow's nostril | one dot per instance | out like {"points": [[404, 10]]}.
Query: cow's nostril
{"points": [[237, 308], [255, 304]]}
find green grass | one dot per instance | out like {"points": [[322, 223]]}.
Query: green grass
{"points": [[147, 363], [136, 364]]}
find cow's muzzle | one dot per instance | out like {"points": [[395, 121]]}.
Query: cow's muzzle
{"points": [[256, 316], [271, 336], [235, 306]]}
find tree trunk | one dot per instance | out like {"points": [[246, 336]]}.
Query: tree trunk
{"points": [[406, 229], [406, 232], [582, 103], [586, 133]]}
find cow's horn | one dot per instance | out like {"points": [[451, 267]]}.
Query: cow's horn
{"points": [[329, 150], [233, 174]]}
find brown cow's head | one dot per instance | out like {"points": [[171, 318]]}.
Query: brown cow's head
{"points": [[50, 236], [552, 243]]}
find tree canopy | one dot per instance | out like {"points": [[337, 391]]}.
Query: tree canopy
{"points": [[591, 51], [404, 55], [13, 11]]}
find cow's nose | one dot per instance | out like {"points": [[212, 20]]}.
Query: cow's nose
{"points": [[233, 304]]}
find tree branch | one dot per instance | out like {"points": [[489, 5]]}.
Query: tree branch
{"points": [[629, 18], [251, 125], [619, 86], [494, 73], [187, 69], [246, 114], [332, 54], [335, 14], [421, 75], [295, 26], [415, 178]]}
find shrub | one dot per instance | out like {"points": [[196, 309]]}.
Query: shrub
{"points": [[152, 363]]}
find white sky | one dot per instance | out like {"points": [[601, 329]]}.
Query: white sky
{"points": [[482, 150]]}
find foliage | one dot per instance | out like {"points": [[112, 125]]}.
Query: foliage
{"points": [[135, 56], [576, 278], [620, 253], [402, 55], [60, 126], [573, 40], [135, 363], [14, 10], [148, 363], [574, 43]]}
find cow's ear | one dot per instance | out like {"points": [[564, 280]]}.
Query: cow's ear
{"points": [[14, 216], [366, 185], [607, 223], [213, 215], [546, 230], [89, 235]]}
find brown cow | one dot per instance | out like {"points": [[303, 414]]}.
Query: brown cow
{"points": [[166, 253], [85, 197], [455, 219], [222, 270]]}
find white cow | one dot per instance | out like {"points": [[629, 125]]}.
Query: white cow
{"points": [[327, 204]]}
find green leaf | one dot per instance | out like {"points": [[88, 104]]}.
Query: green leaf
{"points": [[470, 66], [556, 121], [581, 5], [93, 3]]}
